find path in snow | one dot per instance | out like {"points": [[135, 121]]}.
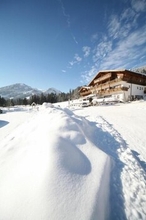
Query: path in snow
{"points": [[128, 178], [128, 188]]}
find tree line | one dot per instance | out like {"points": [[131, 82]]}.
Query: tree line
{"points": [[40, 99]]}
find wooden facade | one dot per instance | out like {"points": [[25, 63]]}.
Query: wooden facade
{"points": [[84, 91], [111, 82]]}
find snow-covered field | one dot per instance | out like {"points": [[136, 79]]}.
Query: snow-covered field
{"points": [[68, 163]]}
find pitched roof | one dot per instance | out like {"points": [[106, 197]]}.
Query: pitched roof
{"points": [[116, 70]]}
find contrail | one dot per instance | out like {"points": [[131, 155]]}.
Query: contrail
{"points": [[67, 16], [64, 13], [74, 38]]}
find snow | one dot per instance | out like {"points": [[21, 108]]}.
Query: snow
{"points": [[59, 162]]}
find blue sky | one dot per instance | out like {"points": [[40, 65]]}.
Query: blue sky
{"points": [[63, 44]]}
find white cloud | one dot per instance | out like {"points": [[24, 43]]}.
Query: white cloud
{"points": [[128, 14], [114, 26], [127, 51], [138, 5], [120, 26], [77, 59], [94, 37], [64, 71], [125, 42], [88, 75], [101, 50], [86, 51], [72, 63], [124, 54]]}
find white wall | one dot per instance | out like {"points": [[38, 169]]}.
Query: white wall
{"points": [[134, 90]]}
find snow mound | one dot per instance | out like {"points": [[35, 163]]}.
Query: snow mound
{"points": [[51, 169], [47, 105]]}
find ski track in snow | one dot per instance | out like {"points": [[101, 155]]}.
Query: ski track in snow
{"points": [[128, 186], [128, 177]]}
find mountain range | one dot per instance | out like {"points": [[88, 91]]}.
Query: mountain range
{"points": [[140, 70], [20, 90]]}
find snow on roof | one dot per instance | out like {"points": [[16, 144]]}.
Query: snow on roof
{"points": [[84, 87], [115, 70]]}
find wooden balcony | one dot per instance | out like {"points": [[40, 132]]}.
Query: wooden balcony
{"points": [[85, 93], [115, 90], [106, 88], [115, 81], [102, 78], [112, 90], [106, 85]]}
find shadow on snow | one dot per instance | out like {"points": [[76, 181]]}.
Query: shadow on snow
{"points": [[141, 162], [3, 123], [107, 142]]}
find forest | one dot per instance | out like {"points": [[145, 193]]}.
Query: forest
{"points": [[40, 99]]}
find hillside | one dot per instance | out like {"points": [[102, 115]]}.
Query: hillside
{"points": [[20, 90], [140, 70]]}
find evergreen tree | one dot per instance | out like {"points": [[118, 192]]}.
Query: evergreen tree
{"points": [[43, 98], [25, 102], [2, 101]]}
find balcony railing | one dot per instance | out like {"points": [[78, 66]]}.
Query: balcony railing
{"points": [[105, 91], [115, 81], [102, 78], [109, 83], [106, 85], [113, 90], [85, 93], [106, 88]]}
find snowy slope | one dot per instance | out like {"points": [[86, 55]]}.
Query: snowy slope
{"points": [[50, 168], [52, 90], [122, 136], [18, 90], [21, 90], [73, 163]]}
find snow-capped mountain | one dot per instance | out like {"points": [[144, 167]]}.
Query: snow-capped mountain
{"points": [[20, 90], [52, 90], [140, 70]]}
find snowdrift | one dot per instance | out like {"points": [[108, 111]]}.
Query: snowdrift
{"points": [[51, 169]]}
